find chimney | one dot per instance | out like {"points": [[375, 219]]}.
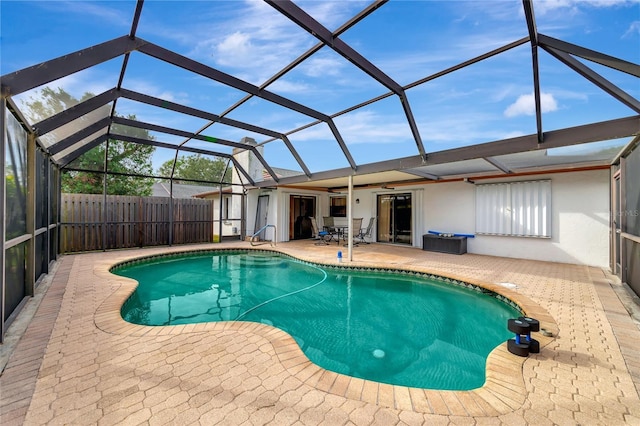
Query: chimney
{"points": [[248, 161]]}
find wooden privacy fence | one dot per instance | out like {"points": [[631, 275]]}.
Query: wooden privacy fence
{"points": [[131, 221]]}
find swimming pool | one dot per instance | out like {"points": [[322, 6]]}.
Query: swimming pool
{"points": [[403, 329]]}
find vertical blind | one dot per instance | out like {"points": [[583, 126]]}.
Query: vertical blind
{"points": [[517, 208]]}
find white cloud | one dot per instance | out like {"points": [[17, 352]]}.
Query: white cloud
{"points": [[438, 131], [525, 105], [634, 28], [504, 92], [255, 39], [145, 86], [105, 13], [235, 45], [318, 132], [318, 66], [108, 15], [370, 127], [332, 14], [513, 134], [449, 131], [542, 7], [360, 127], [283, 85]]}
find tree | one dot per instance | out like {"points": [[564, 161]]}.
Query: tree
{"points": [[196, 167], [123, 157]]}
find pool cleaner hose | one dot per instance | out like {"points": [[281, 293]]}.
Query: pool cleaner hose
{"points": [[324, 278]]}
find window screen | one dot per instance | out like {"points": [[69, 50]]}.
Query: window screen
{"points": [[520, 209]]}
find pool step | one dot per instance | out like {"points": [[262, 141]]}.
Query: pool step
{"points": [[255, 260]]}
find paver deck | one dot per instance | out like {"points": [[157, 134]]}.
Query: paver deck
{"points": [[80, 363]]}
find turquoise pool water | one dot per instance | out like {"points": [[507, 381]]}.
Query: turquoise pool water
{"points": [[387, 327]]}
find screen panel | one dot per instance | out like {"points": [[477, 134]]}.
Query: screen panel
{"points": [[632, 263], [632, 192], [41, 189], [15, 170], [15, 277]]}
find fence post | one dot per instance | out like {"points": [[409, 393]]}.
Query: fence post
{"points": [[171, 209], [141, 208]]}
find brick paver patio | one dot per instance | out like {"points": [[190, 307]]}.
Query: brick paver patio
{"points": [[80, 363]]}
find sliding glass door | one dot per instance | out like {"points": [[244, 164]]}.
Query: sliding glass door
{"points": [[394, 218], [302, 209]]}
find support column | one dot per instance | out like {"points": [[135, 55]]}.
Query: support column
{"points": [[350, 219], [171, 210], [104, 196], [31, 214], [3, 133], [220, 207]]}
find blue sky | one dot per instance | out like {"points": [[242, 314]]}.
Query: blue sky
{"points": [[408, 40]]}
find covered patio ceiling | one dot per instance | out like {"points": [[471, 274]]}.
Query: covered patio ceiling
{"points": [[334, 89]]}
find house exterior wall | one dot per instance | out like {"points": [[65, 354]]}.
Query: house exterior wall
{"points": [[579, 222], [228, 226], [322, 208], [254, 168], [250, 215], [579, 219], [580, 216], [274, 212]]}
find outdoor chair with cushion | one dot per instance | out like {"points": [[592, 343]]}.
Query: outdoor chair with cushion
{"points": [[328, 226], [322, 237]]}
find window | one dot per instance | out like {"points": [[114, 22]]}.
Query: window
{"points": [[226, 208], [520, 209], [338, 206]]}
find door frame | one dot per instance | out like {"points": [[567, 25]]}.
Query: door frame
{"points": [[412, 216], [616, 223], [291, 219], [258, 221]]}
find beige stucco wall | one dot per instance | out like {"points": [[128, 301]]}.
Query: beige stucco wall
{"points": [[580, 216]]}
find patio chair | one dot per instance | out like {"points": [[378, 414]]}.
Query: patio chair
{"points": [[365, 233], [356, 223], [329, 227], [319, 236]]}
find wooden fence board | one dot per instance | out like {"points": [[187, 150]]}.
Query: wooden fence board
{"points": [[131, 221]]}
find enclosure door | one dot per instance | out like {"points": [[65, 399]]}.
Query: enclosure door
{"points": [[261, 214], [301, 210], [617, 241], [394, 218]]}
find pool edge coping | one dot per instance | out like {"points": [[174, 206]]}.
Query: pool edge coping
{"points": [[504, 390]]}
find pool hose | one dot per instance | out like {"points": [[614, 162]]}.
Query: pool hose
{"points": [[285, 295]]}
